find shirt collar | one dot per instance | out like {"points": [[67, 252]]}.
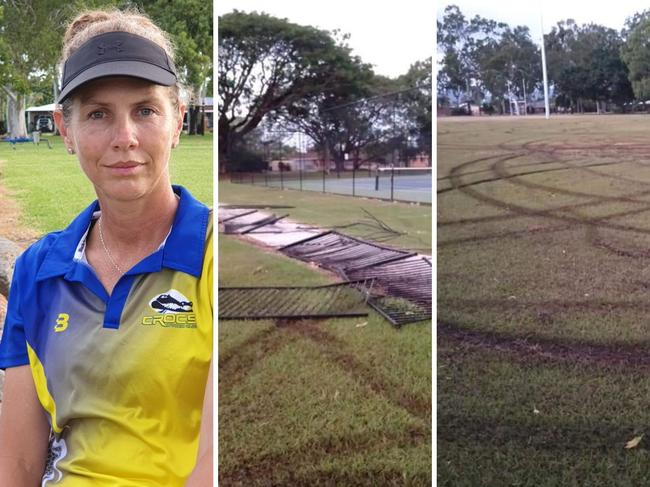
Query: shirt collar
{"points": [[183, 250]]}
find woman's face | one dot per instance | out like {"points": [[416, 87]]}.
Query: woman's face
{"points": [[123, 130]]}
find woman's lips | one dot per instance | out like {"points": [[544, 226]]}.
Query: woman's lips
{"points": [[124, 168]]}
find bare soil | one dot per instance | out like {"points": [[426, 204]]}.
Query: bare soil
{"points": [[11, 227]]}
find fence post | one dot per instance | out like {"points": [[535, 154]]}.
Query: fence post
{"points": [[300, 175], [354, 174], [392, 181], [323, 179]]}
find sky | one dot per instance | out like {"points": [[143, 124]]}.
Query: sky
{"points": [[389, 35], [608, 13]]}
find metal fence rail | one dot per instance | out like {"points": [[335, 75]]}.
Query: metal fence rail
{"points": [[345, 299]]}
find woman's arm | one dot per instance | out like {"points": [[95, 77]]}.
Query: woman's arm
{"points": [[202, 473], [24, 431]]}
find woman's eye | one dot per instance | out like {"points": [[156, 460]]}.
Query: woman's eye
{"points": [[96, 115]]}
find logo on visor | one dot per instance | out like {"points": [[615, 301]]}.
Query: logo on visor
{"points": [[102, 48]]}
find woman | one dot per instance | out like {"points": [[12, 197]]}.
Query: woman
{"points": [[109, 322]]}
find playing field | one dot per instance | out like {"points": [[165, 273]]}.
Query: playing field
{"points": [[543, 278]]}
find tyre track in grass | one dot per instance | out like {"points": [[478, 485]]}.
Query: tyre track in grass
{"points": [[568, 211], [544, 350], [335, 351], [538, 433], [235, 366]]}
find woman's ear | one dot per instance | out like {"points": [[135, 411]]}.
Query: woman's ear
{"points": [[63, 130], [179, 125]]}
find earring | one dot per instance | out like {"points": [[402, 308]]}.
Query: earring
{"points": [[70, 150]]}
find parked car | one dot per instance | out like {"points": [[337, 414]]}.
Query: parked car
{"points": [[44, 124]]}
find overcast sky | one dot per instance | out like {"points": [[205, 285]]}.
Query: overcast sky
{"points": [[389, 35], [608, 13]]}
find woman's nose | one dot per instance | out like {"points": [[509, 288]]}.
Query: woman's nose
{"points": [[125, 133]]}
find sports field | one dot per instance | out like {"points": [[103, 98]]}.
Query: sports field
{"points": [[543, 277], [324, 402]]}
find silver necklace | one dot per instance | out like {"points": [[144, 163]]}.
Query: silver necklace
{"points": [[106, 251]]}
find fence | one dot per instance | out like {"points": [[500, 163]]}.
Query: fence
{"points": [[393, 184]]}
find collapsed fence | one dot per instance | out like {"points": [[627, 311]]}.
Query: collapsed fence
{"points": [[396, 283], [402, 290], [340, 300]]}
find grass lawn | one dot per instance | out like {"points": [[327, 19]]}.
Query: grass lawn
{"points": [[51, 188], [333, 210], [543, 278], [322, 402]]}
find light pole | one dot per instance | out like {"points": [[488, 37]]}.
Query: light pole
{"points": [[546, 107]]}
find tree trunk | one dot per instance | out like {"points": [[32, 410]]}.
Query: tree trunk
{"points": [[16, 114], [194, 118], [224, 141]]}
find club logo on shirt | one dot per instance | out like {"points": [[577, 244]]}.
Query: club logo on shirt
{"points": [[171, 302], [174, 311]]}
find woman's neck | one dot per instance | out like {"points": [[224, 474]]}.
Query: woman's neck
{"points": [[139, 222]]}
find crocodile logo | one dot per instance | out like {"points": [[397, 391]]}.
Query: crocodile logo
{"points": [[171, 301]]}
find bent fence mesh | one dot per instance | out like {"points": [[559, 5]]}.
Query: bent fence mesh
{"points": [[403, 280], [345, 299], [342, 253], [403, 288]]}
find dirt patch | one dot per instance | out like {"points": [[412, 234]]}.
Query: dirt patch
{"points": [[11, 227]]}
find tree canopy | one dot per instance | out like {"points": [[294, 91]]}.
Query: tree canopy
{"points": [[482, 60], [31, 33], [266, 63]]}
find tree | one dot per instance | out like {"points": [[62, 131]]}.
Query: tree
{"points": [[461, 44], [636, 56], [417, 102], [266, 63], [339, 119], [585, 65], [26, 58], [189, 22], [508, 64]]}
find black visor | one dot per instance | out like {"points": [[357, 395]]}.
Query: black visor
{"points": [[117, 54]]}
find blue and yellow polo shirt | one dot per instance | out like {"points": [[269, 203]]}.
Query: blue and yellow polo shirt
{"points": [[121, 377]]}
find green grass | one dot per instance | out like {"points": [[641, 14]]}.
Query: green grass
{"points": [[542, 252], [333, 210], [51, 188], [322, 402]]}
